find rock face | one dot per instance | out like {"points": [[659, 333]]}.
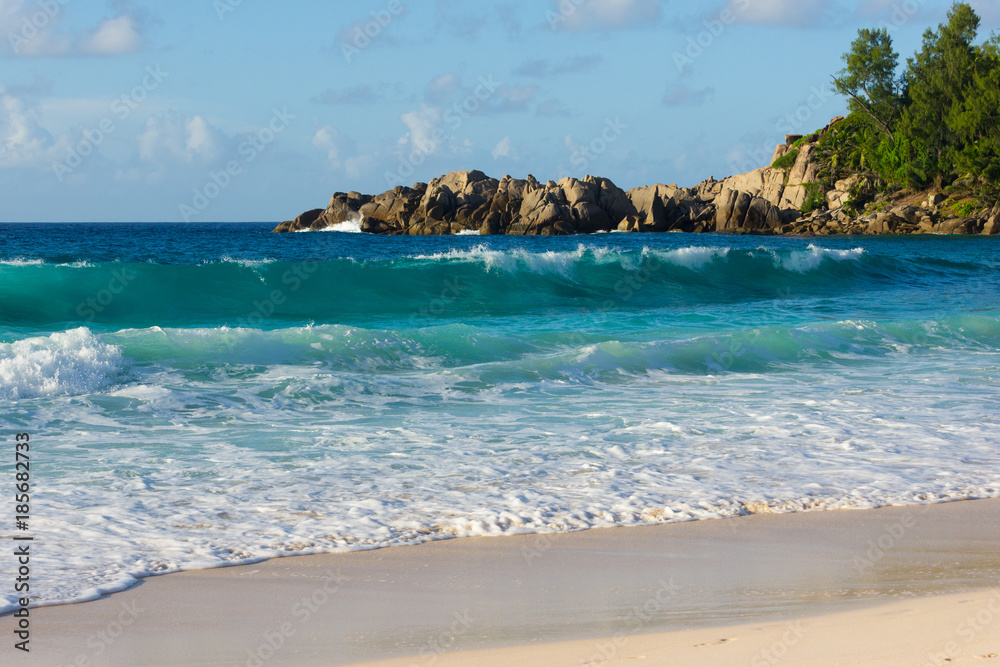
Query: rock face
{"points": [[471, 201], [764, 201]]}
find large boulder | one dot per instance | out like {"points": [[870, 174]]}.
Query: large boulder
{"points": [[911, 214], [461, 197], [992, 225], [394, 209], [612, 200], [731, 208], [840, 196], [885, 223], [743, 212], [301, 223], [803, 172], [762, 216], [589, 218], [467, 186], [654, 205], [959, 226]]}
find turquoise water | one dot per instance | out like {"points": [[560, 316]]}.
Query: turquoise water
{"points": [[202, 395]]}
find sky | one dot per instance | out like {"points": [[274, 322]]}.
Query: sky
{"points": [[238, 110]]}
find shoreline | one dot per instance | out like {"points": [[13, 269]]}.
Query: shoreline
{"points": [[491, 593]]}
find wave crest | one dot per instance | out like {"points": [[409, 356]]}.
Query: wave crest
{"points": [[68, 363]]}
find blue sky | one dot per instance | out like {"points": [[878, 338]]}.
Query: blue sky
{"points": [[236, 110]]}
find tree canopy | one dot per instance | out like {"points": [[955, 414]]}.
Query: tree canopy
{"points": [[938, 121], [869, 77]]}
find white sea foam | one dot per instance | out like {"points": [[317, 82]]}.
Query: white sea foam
{"points": [[564, 262], [511, 261], [352, 226], [349, 227], [205, 459], [84, 264], [694, 258], [70, 363], [467, 232], [20, 261], [247, 263], [804, 261]]}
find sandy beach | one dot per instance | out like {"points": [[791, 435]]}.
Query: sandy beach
{"points": [[946, 630], [889, 586]]}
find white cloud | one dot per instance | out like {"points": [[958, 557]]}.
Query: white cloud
{"points": [[29, 31], [505, 148], [342, 152], [423, 125], [34, 29], [337, 146], [603, 14], [117, 36], [23, 141], [174, 139], [359, 165], [443, 87], [328, 139], [780, 12]]}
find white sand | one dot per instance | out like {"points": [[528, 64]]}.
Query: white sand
{"points": [[740, 579], [948, 630]]}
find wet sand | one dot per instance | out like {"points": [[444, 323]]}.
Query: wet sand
{"points": [[665, 588]]}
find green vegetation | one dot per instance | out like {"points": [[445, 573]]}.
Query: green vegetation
{"points": [[815, 198], [862, 193], [806, 139], [936, 123], [877, 207], [962, 209], [786, 161]]}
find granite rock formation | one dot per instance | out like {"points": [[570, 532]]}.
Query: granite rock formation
{"points": [[768, 200]]}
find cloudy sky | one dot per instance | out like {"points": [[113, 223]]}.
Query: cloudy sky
{"points": [[236, 110]]}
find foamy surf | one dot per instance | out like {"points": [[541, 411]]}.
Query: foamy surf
{"points": [[70, 363], [804, 261]]}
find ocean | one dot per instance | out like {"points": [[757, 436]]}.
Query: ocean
{"points": [[214, 394]]}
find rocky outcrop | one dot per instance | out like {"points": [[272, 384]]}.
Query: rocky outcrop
{"points": [[471, 201], [924, 219], [768, 200], [742, 212]]}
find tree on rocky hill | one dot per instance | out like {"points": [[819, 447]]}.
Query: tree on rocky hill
{"points": [[938, 80], [869, 78], [939, 122]]}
